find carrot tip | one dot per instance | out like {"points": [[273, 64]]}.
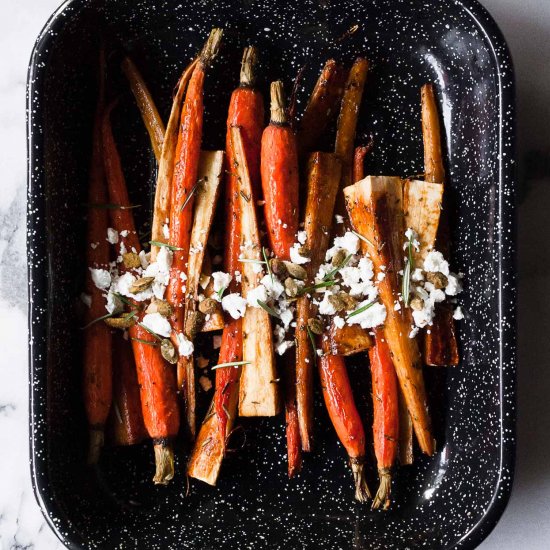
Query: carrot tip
{"points": [[210, 49], [248, 66], [164, 462], [362, 493], [97, 439], [382, 497]]}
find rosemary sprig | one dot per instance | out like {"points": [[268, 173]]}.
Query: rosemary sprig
{"points": [[330, 275], [324, 284], [150, 331], [264, 253], [221, 291], [270, 310], [361, 309], [130, 315], [170, 246], [111, 206], [234, 364], [313, 345], [362, 237], [97, 320], [191, 193], [154, 344]]}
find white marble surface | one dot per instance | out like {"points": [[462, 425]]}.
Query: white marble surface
{"points": [[526, 521]]}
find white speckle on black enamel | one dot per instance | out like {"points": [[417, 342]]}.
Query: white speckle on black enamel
{"points": [[450, 501]]}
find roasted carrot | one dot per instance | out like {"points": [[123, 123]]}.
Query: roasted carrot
{"points": [[349, 114], [375, 206], [406, 456], [440, 342], [344, 416], [323, 182], [321, 107], [280, 178], [97, 377], [184, 185], [146, 106], [156, 380], [126, 419], [161, 211], [386, 416], [280, 183]]}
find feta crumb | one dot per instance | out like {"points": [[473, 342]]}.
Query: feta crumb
{"points": [[234, 304], [302, 237], [295, 256], [286, 317], [414, 331], [112, 235], [255, 294], [397, 306], [166, 231], [158, 324], [113, 305], [124, 233], [325, 307], [273, 286], [238, 276], [338, 321], [339, 219], [101, 278], [348, 242], [381, 276], [458, 315], [185, 346], [454, 286], [417, 275], [217, 341], [282, 348], [257, 268], [372, 317], [435, 263], [221, 280], [143, 258]]}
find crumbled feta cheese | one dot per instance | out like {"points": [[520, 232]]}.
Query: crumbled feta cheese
{"points": [[338, 321], [339, 219], [112, 235], [185, 346], [86, 299], [124, 233], [238, 276], [221, 280], [397, 306], [417, 275], [414, 331], [435, 263], [302, 237], [348, 242], [166, 231], [458, 315], [273, 286], [255, 294], [101, 278], [454, 286], [234, 304], [282, 348], [158, 324], [372, 317], [286, 317], [381, 276], [114, 304], [123, 249], [325, 307], [295, 256], [423, 317]]}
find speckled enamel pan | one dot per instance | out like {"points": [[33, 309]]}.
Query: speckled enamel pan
{"points": [[452, 500]]}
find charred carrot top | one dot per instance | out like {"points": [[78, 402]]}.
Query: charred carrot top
{"points": [[157, 381], [344, 416], [280, 180], [97, 379], [386, 416], [146, 105]]}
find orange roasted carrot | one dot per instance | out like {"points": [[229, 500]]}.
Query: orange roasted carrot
{"points": [[386, 416], [344, 416], [322, 106], [184, 184], [156, 380], [280, 183], [280, 178], [440, 342], [97, 379], [126, 419]]}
